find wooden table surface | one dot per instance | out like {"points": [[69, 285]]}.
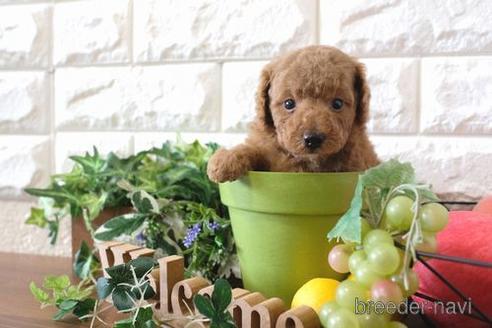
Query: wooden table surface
{"points": [[18, 308]]}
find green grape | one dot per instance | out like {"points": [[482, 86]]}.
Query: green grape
{"points": [[413, 281], [356, 259], [342, 318], [429, 243], [396, 324], [376, 237], [383, 258], [365, 227], [338, 258], [366, 275], [371, 320], [326, 311], [347, 293], [398, 213], [433, 217]]}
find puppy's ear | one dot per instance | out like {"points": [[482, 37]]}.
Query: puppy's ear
{"points": [[362, 94], [263, 112]]}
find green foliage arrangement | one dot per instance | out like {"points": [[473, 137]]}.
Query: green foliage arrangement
{"points": [[176, 208], [128, 286]]}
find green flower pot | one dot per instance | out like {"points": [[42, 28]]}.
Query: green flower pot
{"points": [[280, 222]]}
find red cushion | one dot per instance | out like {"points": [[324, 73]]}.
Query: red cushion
{"points": [[469, 235]]}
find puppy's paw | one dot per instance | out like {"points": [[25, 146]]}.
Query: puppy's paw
{"points": [[227, 165]]}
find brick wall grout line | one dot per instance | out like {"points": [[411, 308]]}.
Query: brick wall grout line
{"points": [[131, 9], [318, 22], [418, 110], [52, 90]]}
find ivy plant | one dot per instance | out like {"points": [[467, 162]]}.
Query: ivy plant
{"points": [[176, 208]]}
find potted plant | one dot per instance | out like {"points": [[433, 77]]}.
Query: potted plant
{"points": [[280, 221], [108, 197]]}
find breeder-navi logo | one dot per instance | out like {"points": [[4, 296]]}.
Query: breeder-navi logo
{"points": [[379, 307]]}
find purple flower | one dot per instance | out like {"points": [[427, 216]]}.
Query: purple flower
{"points": [[191, 235], [140, 238], [213, 226]]}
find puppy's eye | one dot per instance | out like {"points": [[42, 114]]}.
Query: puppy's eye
{"points": [[337, 104], [289, 104]]}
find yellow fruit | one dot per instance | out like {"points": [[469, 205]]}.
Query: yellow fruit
{"points": [[315, 293]]}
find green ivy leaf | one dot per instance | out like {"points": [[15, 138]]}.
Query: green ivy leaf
{"points": [[120, 225], [142, 265], [68, 305], [84, 308], [60, 314], [37, 217], [122, 298], [50, 193], [204, 306], [144, 318], [222, 295], [120, 274], [84, 261], [58, 284], [39, 294], [144, 202], [90, 164], [93, 203], [103, 287]]}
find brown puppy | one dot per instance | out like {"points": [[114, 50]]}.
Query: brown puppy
{"points": [[311, 108]]}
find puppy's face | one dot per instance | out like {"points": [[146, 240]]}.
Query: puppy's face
{"points": [[314, 101]]}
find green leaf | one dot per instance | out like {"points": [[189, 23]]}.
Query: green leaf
{"points": [[120, 225], [84, 308], [84, 261], [222, 295], [120, 273], [58, 284], [125, 323], [144, 202], [149, 292], [38, 293], [144, 318], [93, 203], [389, 174], [60, 314], [103, 287], [37, 217], [90, 164], [72, 292], [142, 265], [204, 306], [49, 193], [122, 298], [348, 226], [380, 180], [68, 305]]}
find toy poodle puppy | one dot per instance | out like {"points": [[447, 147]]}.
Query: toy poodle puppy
{"points": [[311, 108]]}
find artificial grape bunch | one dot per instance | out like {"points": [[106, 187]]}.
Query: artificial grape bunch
{"points": [[380, 263]]}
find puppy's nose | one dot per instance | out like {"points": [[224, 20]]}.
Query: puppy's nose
{"points": [[313, 140]]}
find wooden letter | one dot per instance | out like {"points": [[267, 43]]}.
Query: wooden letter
{"points": [[183, 292], [299, 317], [106, 255], [171, 271]]}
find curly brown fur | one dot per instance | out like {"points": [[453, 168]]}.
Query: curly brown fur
{"points": [[313, 77]]}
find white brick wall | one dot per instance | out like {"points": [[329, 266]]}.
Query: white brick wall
{"points": [[127, 74]]}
